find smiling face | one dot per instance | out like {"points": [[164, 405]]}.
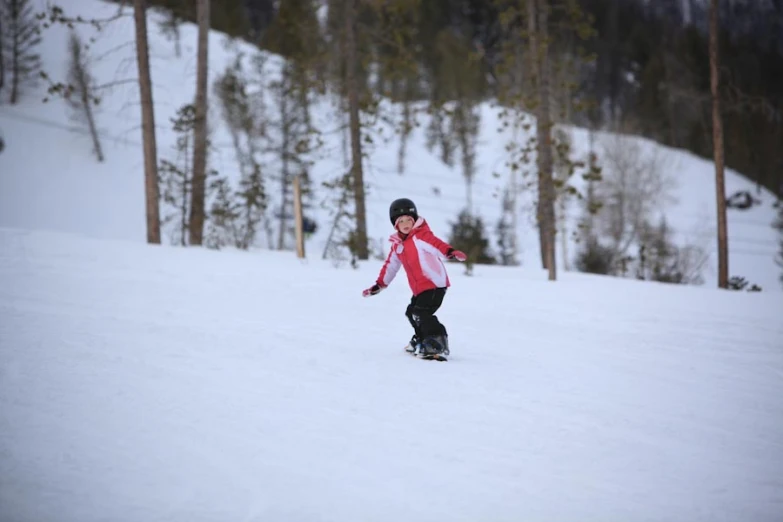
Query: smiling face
{"points": [[405, 224]]}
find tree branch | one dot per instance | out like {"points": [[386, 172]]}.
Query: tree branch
{"points": [[55, 14]]}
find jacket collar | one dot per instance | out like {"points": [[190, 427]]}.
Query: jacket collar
{"points": [[419, 224]]}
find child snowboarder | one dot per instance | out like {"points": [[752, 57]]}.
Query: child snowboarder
{"points": [[420, 252]]}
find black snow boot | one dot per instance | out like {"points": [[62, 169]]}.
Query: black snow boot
{"points": [[413, 345], [435, 347]]}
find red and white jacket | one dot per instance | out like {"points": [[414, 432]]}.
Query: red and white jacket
{"points": [[421, 253]]}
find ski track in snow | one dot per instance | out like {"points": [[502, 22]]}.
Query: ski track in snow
{"points": [[156, 383]]}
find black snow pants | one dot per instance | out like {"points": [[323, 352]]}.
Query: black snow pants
{"points": [[421, 313]]}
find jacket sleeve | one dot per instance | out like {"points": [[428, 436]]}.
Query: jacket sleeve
{"points": [[389, 269], [443, 247]]}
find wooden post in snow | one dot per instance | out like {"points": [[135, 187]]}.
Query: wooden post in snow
{"points": [[298, 218]]}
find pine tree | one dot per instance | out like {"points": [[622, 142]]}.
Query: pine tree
{"points": [[549, 28], [458, 85], [246, 119], [21, 37], [297, 140], [468, 234], [354, 29], [295, 34], [176, 176], [224, 228], [660, 259]]}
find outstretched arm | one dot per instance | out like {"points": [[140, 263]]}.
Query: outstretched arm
{"points": [[443, 247], [435, 241], [389, 269]]}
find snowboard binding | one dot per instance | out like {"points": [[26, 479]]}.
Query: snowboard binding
{"points": [[431, 348]]}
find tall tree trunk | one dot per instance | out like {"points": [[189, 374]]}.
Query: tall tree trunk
{"points": [[535, 76], [198, 187], [539, 36], [547, 188], [147, 124], [352, 87], [717, 136]]}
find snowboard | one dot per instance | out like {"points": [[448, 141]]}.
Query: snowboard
{"points": [[438, 357]]}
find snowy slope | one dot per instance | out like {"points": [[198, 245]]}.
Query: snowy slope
{"points": [[49, 180], [156, 383]]}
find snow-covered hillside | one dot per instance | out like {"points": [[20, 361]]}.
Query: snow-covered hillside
{"points": [[50, 180], [159, 383]]}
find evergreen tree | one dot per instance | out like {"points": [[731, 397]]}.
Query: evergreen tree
{"points": [[295, 34], [354, 30], [21, 38], [651, 75], [176, 177], [659, 259], [468, 234], [247, 120]]}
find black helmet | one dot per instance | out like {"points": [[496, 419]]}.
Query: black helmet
{"points": [[402, 207]]}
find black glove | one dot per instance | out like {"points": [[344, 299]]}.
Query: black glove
{"points": [[374, 289]]}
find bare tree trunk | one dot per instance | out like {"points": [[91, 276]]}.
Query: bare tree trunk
{"points": [[147, 125], [96, 142], [562, 217], [717, 135], [183, 213], [298, 217], [546, 188], [357, 173], [535, 74], [285, 129], [345, 135], [198, 187], [81, 77]]}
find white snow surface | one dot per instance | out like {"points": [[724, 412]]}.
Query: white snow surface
{"points": [[158, 383], [50, 180]]}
